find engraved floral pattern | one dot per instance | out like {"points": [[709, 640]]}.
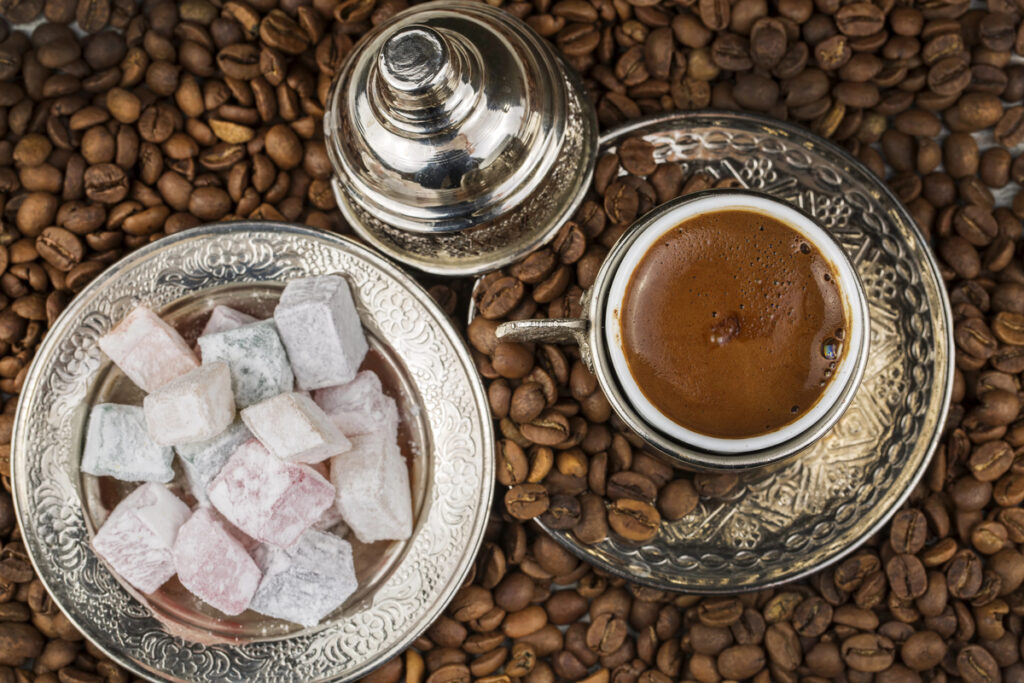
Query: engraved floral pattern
{"points": [[788, 522], [46, 452]]}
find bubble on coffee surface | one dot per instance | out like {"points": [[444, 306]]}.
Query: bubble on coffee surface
{"points": [[831, 349], [725, 331]]}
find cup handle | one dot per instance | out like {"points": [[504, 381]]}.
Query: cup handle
{"points": [[550, 331]]}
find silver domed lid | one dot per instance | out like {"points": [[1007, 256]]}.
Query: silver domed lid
{"points": [[447, 118]]}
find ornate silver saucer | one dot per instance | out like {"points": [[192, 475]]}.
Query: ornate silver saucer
{"points": [[785, 523], [447, 440]]}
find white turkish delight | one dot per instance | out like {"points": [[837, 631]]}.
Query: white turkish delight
{"points": [[294, 428], [202, 461], [213, 565], [148, 350], [321, 330], [271, 500], [224, 318], [307, 581], [138, 537], [257, 359], [372, 482], [118, 445], [360, 406], [194, 407]]}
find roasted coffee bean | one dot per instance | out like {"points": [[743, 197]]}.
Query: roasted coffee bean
{"points": [[868, 652], [908, 531], [677, 499], [741, 661], [976, 665], [60, 248], [768, 42], [859, 19], [634, 520], [907, 576], [526, 501], [714, 13], [631, 485], [974, 338], [964, 575]]}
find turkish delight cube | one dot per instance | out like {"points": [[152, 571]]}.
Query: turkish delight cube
{"points": [[148, 350], [271, 500], [202, 461], [321, 330], [257, 359], [194, 407], [307, 581], [213, 565], [138, 537], [293, 427], [118, 445], [223, 318], [373, 489], [360, 406]]}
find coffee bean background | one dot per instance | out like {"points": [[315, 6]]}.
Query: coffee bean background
{"points": [[122, 122]]}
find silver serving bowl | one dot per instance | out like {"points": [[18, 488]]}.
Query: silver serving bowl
{"points": [[446, 437]]}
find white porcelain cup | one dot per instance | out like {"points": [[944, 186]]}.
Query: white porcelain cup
{"points": [[848, 285], [598, 332]]}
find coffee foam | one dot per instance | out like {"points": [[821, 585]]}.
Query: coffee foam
{"points": [[713, 306]]}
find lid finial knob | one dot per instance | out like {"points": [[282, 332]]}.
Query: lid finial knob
{"points": [[415, 63]]}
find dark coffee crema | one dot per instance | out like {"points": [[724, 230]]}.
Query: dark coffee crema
{"points": [[733, 324]]}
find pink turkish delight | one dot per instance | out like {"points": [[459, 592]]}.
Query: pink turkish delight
{"points": [[224, 318], [148, 350], [359, 407], [138, 537], [213, 565], [293, 427], [267, 498]]}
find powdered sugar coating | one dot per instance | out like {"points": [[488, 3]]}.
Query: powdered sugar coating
{"points": [[372, 484], [138, 536], [321, 329], [269, 499], [148, 350], [294, 428], [307, 581], [118, 445], [223, 318], [257, 359], [195, 407], [360, 406], [202, 461], [213, 565]]}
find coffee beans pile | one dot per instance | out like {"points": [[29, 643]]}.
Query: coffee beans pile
{"points": [[121, 122]]}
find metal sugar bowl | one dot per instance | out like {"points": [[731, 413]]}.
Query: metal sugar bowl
{"points": [[460, 141]]}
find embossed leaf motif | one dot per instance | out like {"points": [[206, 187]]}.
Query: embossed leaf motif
{"points": [[221, 261], [48, 438], [783, 524]]}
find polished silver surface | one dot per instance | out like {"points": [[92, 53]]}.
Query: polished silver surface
{"points": [[458, 138], [588, 333], [783, 523], [169, 635]]}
